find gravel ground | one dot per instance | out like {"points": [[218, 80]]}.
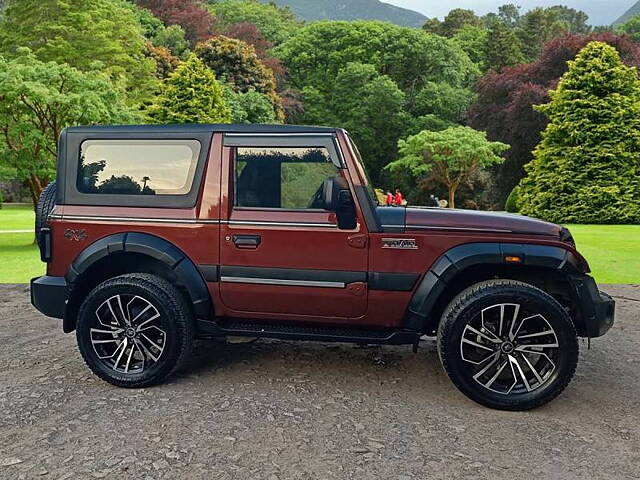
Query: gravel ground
{"points": [[280, 410]]}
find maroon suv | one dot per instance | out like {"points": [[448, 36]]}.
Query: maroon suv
{"points": [[156, 235]]}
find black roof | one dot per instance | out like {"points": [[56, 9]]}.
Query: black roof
{"points": [[204, 127]]}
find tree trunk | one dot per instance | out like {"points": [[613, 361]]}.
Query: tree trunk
{"points": [[35, 189], [452, 193]]}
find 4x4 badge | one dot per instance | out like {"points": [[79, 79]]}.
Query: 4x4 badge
{"points": [[75, 235], [400, 243]]}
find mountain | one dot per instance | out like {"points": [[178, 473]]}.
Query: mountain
{"points": [[634, 10], [353, 10]]}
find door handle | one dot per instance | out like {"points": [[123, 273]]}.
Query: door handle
{"points": [[247, 241]]}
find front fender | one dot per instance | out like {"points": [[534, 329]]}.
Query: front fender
{"points": [[460, 258]]}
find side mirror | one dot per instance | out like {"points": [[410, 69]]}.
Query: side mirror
{"points": [[337, 198]]}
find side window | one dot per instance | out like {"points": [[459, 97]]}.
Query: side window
{"points": [[137, 167], [281, 177]]}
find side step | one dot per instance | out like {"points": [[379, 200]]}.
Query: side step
{"points": [[316, 334]]}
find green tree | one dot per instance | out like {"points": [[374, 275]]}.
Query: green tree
{"points": [[444, 101], [503, 47], [237, 64], [537, 27], [173, 38], [39, 99], [473, 41], [509, 14], [82, 33], [276, 23], [319, 51], [456, 20], [249, 107], [586, 169], [370, 106], [191, 95], [631, 27], [450, 157]]}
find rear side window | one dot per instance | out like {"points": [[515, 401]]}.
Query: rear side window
{"points": [[137, 167], [281, 177]]}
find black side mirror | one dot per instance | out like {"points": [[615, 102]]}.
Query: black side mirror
{"points": [[337, 198]]}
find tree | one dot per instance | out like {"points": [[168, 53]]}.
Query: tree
{"points": [[249, 107], [503, 48], [165, 62], [191, 15], [537, 27], [39, 99], [473, 41], [631, 27], [444, 101], [504, 106], [191, 95], [370, 106], [276, 23], [587, 168], [509, 14], [237, 64], [172, 37], [317, 52], [575, 21], [250, 34], [450, 157], [83, 34], [456, 20]]}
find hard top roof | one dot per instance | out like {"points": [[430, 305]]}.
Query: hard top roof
{"points": [[203, 127]]}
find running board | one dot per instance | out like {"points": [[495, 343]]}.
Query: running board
{"points": [[316, 334]]}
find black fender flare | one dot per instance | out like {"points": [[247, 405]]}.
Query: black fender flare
{"points": [[457, 259], [154, 247]]}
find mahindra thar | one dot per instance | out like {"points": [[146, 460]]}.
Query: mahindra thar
{"points": [[155, 235]]}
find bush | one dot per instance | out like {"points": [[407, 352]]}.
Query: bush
{"points": [[586, 168], [511, 205]]}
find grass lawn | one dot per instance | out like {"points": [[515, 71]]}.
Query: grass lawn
{"points": [[613, 251], [19, 256]]}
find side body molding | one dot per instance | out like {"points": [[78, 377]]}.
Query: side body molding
{"points": [[154, 247], [457, 259]]}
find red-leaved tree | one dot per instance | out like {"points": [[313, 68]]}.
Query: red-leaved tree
{"points": [[504, 108], [191, 15], [249, 33]]}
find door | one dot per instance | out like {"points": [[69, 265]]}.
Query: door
{"points": [[282, 255]]}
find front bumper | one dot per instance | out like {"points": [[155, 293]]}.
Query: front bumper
{"points": [[595, 308], [49, 295]]}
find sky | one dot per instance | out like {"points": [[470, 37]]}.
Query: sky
{"points": [[601, 12]]}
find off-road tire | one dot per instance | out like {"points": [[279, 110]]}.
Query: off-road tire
{"points": [[46, 202], [175, 315], [469, 305]]}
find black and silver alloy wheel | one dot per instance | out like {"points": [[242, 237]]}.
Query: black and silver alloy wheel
{"points": [[507, 345], [134, 330], [511, 350], [128, 334]]}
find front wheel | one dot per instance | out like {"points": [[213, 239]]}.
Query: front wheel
{"points": [[134, 330], [508, 345]]}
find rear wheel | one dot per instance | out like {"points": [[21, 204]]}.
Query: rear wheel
{"points": [[134, 330], [508, 345]]}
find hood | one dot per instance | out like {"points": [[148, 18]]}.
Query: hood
{"points": [[423, 218]]}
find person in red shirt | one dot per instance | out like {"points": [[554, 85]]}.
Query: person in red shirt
{"points": [[398, 199], [389, 200]]}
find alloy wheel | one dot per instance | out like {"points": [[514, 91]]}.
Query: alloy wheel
{"points": [[128, 335], [510, 350]]}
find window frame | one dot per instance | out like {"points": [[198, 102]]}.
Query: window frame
{"points": [[327, 141], [73, 196]]}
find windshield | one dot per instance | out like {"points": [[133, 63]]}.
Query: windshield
{"points": [[362, 171]]}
